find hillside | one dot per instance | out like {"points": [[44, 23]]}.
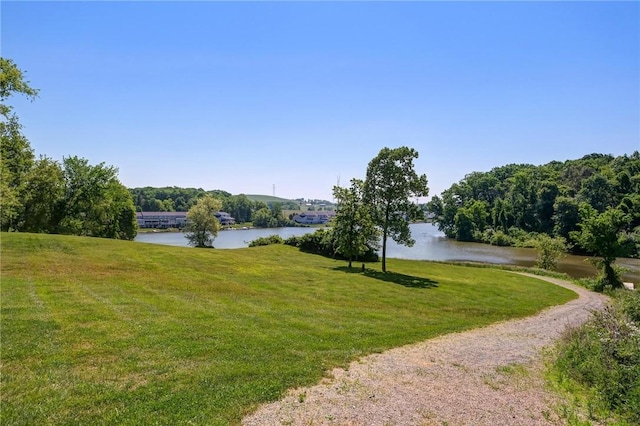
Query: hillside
{"points": [[112, 332], [268, 198]]}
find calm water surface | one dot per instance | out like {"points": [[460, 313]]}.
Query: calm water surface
{"points": [[431, 244]]}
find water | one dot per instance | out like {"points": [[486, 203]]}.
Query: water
{"points": [[431, 244], [226, 239]]}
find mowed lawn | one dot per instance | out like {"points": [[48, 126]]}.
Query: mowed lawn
{"points": [[98, 331]]}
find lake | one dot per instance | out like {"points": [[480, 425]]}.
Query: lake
{"points": [[431, 244]]}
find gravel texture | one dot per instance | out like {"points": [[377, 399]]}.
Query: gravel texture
{"points": [[487, 376]]}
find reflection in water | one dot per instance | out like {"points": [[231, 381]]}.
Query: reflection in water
{"points": [[430, 245]]}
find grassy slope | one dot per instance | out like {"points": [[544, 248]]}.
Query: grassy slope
{"points": [[267, 198], [101, 331]]}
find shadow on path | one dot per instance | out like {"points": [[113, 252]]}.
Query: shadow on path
{"points": [[392, 277]]}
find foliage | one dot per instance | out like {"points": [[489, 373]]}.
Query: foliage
{"points": [[353, 228], [320, 242], [265, 241], [324, 242], [390, 185], [603, 357], [94, 203], [263, 218], [113, 332], [549, 251], [522, 200], [44, 189], [45, 196], [171, 198], [599, 233], [202, 225], [271, 217], [16, 154]]}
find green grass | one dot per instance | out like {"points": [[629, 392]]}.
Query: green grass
{"points": [[267, 198], [596, 367], [111, 332]]}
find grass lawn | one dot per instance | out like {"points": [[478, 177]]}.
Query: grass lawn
{"points": [[99, 331]]}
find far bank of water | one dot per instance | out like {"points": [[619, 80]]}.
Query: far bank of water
{"points": [[431, 244]]}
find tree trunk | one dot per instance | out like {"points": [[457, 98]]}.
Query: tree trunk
{"points": [[384, 250], [610, 274]]}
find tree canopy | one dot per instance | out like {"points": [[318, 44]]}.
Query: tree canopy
{"points": [[202, 225], [509, 205], [45, 196], [389, 188], [353, 228]]}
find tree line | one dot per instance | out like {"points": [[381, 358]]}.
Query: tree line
{"points": [[591, 205], [243, 210], [43, 195]]}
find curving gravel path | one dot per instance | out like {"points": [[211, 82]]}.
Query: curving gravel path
{"points": [[486, 376]]}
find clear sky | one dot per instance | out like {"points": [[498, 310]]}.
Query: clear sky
{"points": [[241, 96]]}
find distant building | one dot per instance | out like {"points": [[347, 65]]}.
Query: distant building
{"points": [[225, 219], [165, 220], [313, 218], [161, 220]]}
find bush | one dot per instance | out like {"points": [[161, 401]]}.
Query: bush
{"points": [[501, 239], [549, 251], [604, 356], [265, 241], [629, 303], [292, 241], [320, 242]]}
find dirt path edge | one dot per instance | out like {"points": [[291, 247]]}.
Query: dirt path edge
{"points": [[468, 378]]}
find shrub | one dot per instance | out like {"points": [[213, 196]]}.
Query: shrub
{"points": [[604, 356], [499, 238], [549, 251], [629, 303], [319, 242], [292, 241], [322, 242], [265, 241]]}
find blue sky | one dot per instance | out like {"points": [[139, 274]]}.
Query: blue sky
{"points": [[242, 96]]}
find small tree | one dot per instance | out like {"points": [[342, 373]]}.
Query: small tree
{"points": [[353, 228], [391, 183], [600, 234], [202, 225], [549, 251]]}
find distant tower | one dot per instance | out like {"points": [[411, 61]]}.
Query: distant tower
{"points": [[274, 189], [338, 180]]}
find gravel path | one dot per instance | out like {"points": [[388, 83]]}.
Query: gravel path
{"points": [[487, 376]]}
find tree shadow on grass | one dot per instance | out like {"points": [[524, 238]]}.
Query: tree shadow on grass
{"points": [[392, 277]]}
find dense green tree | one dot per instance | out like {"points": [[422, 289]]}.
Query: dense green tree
{"points": [[547, 193], [523, 200], [202, 225], [390, 185], [118, 212], [16, 155], [566, 216], [600, 234], [353, 228], [263, 218], [470, 220], [502, 214], [238, 206], [598, 191], [44, 189], [464, 226], [94, 202]]}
